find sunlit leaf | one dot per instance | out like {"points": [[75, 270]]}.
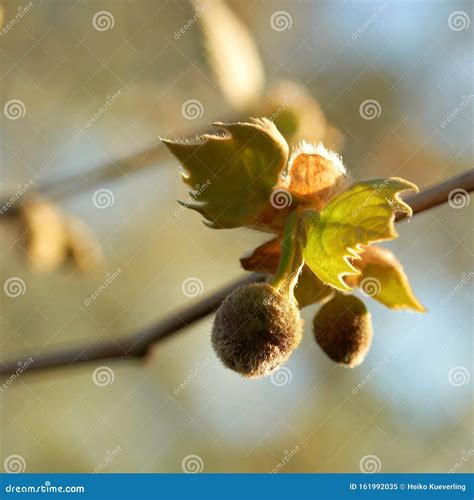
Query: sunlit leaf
{"points": [[310, 289], [361, 215], [383, 278], [232, 174]]}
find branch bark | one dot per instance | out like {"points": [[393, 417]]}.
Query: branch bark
{"points": [[138, 344]]}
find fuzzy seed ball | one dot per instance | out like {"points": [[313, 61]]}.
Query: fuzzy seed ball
{"points": [[256, 329], [343, 330]]}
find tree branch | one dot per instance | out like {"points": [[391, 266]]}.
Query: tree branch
{"points": [[137, 345], [440, 193], [103, 174], [76, 184]]}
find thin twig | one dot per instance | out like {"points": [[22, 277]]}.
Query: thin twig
{"points": [[73, 185], [101, 175], [137, 345], [440, 193]]}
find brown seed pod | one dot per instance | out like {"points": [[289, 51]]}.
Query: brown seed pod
{"points": [[256, 329], [343, 329]]}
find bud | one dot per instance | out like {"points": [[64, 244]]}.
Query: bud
{"points": [[256, 329], [43, 234], [343, 330]]}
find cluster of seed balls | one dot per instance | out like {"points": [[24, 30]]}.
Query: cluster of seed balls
{"points": [[257, 328]]}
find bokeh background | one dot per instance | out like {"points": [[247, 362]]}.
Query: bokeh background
{"points": [[181, 409]]}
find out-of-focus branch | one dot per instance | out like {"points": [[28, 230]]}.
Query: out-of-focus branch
{"points": [[103, 174], [441, 193], [73, 185], [137, 345]]}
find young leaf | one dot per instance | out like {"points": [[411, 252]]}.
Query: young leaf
{"points": [[383, 278], [361, 215], [310, 289], [232, 175]]}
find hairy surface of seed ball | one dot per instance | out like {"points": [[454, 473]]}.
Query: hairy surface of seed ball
{"points": [[256, 329], [343, 330]]}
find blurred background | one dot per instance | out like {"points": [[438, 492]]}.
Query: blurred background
{"points": [[88, 84]]}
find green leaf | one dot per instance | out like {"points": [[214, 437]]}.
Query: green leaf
{"points": [[310, 289], [232, 174], [383, 278], [361, 215]]}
